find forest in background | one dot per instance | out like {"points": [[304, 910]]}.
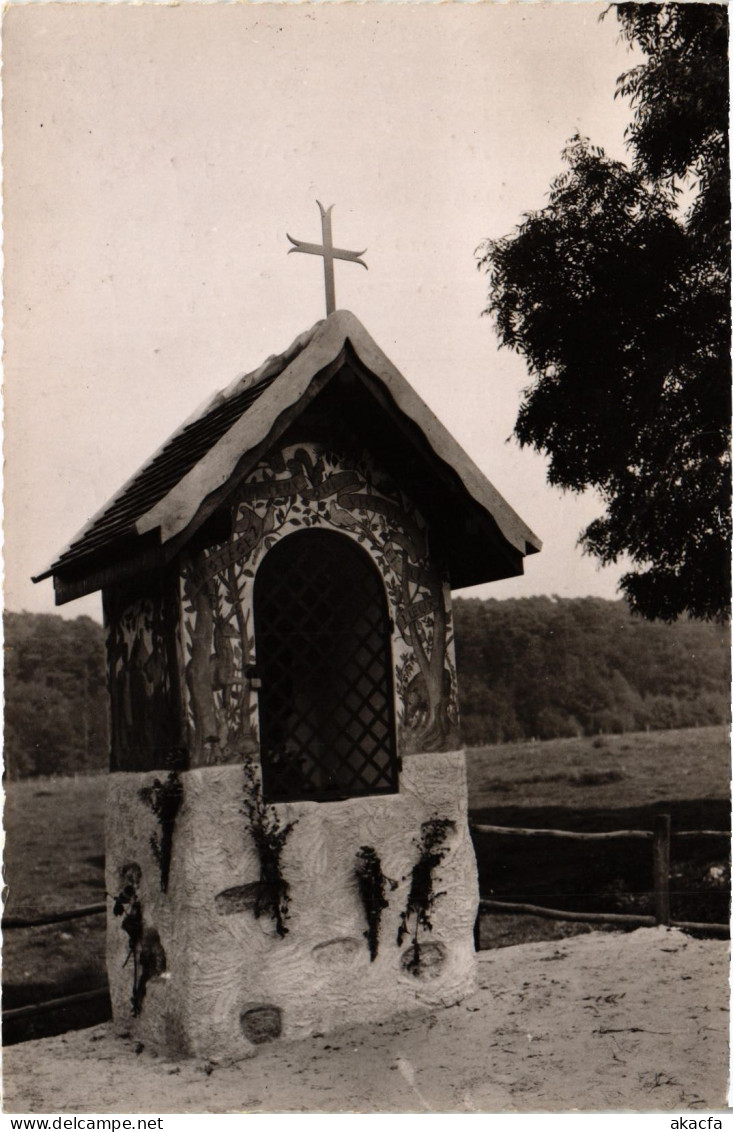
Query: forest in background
{"points": [[529, 668], [545, 668]]}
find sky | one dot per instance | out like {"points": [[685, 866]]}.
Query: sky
{"points": [[155, 159]]}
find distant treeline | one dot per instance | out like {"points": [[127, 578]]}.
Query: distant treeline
{"points": [[528, 668], [55, 695], [545, 668]]}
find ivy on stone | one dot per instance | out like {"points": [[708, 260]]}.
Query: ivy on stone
{"points": [[164, 799], [127, 905], [269, 836], [144, 946], [421, 897], [372, 888]]}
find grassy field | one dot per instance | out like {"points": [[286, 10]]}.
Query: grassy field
{"points": [[54, 860], [54, 852], [607, 771], [592, 785]]}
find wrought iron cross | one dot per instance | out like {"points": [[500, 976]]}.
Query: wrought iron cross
{"points": [[329, 253]]}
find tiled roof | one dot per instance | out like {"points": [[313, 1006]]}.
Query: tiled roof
{"points": [[165, 497], [174, 460]]}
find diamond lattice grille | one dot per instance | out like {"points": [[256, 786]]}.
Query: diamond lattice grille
{"points": [[323, 656]]}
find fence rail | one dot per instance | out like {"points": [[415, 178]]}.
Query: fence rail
{"points": [[570, 835], [609, 835], [32, 1009], [598, 917], [52, 917], [559, 914], [660, 837]]}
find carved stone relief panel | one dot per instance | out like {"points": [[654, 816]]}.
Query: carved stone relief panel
{"points": [[145, 731], [299, 487]]}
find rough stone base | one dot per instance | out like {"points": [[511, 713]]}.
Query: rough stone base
{"points": [[229, 982]]}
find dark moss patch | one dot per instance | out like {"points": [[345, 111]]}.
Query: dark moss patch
{"points": [[261, 1022], [424, 961], [241, 898]]}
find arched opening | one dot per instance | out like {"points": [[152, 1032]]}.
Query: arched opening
{"points": [[322, 641]]}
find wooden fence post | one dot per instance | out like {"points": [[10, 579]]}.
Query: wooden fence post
{"points": [[662, 825]]}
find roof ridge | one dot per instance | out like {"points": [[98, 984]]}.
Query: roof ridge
{"points": [[245, 381], [197, 461]]}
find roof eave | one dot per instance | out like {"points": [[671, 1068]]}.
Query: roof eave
{"points": [[177, 510], [320, 353]]}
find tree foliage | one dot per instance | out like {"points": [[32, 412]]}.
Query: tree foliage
{"points": [[544, 668], [55, 695], [618, 300]]}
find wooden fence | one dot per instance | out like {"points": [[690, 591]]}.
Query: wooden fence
{"points": [[17, 1013], [660, 838]]}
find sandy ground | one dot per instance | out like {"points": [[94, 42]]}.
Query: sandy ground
{"points": [[598, 1022]]}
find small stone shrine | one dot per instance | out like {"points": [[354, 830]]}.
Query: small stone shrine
{"points": [[287, 839]]}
